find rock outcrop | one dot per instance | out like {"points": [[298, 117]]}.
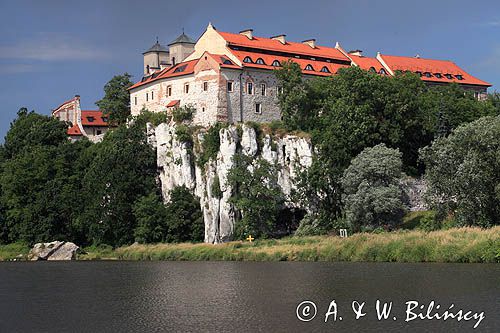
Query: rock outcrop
{"points": [[53, 251], [177, 166]]}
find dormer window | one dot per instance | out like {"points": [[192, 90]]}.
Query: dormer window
{"points": [[90, 119], [325, 70], [459, 76], [309, 68], [382, 71], [105, 119], [419, 73], [427, 74], [373, 70], [226, 61], [449, 76], [260, 61], [180, 69], [248, 60], [276, 63], [438, 75]]}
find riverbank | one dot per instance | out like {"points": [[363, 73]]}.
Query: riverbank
{"points": [[470, 245]]}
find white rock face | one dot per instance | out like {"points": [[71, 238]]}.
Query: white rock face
{"points": [[177, 167], [53, 251]]}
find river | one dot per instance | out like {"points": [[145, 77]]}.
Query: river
{"points": [[117, 296]]}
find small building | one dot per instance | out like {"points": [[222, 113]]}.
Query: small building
{"points": [[91, 124]]}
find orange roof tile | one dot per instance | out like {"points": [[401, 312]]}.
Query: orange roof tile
{"points": [[432, 66], [182, 68], [173, 103], [367, 62], [93, 118], [74, 131], [289, 47]]}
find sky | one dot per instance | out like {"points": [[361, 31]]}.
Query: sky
{"points": [[53, 50]]}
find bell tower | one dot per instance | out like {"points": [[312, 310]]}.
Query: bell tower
{"points": [[156, 58], [180, 48]]}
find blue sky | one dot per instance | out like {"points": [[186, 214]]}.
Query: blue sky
{"points": [[52, 50]]}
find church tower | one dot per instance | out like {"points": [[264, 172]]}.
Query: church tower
{"points": [[155, 58], [180, 48]]}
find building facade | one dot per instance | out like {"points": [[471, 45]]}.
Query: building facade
{"points": [[91, 124], [229, 77]]}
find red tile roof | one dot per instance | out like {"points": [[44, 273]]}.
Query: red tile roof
{"points": [[182, 68], [289, 47], [367, 62], [66, 102], [93, 118], [269, 59], [173, 103], [433, 67], [74, 131]]}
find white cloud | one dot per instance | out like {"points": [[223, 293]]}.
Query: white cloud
{"points": [[51, 47]]}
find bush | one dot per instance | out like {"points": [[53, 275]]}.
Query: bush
{"points": [[184, 113], [184, 134], [184, 218], [210, 144], [151, 216], [373, 196]]}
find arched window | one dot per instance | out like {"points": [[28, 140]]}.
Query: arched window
{"points": [[438, 75], [260, 61], [459, 76], [309, 68], [448, 76], [373, 70], [382, 71], [427, 74], [248, 60], [325, 69], [276, 63]]}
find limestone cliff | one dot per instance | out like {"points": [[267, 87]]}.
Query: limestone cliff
{"points": [[177, 166]]}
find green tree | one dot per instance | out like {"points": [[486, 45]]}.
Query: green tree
{"points": [[151, 216], [256, 194], [463, 173], [184, 218], [122, 169], [373, 195], [116, 100]]}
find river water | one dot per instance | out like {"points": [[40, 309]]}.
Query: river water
{"points": [[119, 296]]}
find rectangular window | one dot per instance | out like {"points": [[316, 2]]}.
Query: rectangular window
{"points": [[279, 90], [186, 88], [205, 86], [263, 89], [152, 96], [135, 100], [169, 91], [250, 88], [147, 97], [229, 86], [258, 108]]}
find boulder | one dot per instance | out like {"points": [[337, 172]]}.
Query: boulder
{"points": [[53, 251]]}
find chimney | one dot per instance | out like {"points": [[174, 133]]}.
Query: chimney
{"points": [[358, 53], [417, 56], [311, 42], [77, 96], [280, 38], [247, 33]]}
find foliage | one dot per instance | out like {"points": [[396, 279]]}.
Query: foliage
{"points": [[155, 118], [184, 217], [184, 134], [122, 170], [151, 216], [463, 173], [210, 144], [372, 192], [116, 100], [257, 195], [184, 113]]}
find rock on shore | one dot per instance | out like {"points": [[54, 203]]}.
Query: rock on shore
{"points": [[54, 251]]}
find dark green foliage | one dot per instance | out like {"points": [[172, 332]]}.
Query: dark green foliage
{"points": [[373, 195], [116, 100], [122, 170], [184, 113], [184, 134], [463, 173], [151, 216], [210, 144], [184, 218], [155, 118], [257, 195]]}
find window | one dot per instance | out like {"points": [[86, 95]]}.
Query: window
{"points": [[173, 61], [427, 74], [203, 109], [105, 119], [99, 132], [90, 119], [229, 86], [309, 68], [438, 75], [260, 61], [258, 108], [135, 100], [263, 89], [205, 86], [276, 63], [419, 73], [147, 97], [169, 91], [152, 95], [459, 76], [372, 69], [248, 60], [250, 88], [448, 76], [382, 71], [186, 88], [325, 69], [180, 69], [279, 90]]}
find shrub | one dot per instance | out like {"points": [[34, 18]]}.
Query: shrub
{"points": [[184, 134], [184, 113], [210, 144]]}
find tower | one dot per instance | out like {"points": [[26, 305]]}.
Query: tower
{"points": [[155, 58], [180, 48]]}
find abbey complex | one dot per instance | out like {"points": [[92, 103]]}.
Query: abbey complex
{"points": [[229, 77]]}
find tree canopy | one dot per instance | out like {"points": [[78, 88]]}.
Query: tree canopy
{"points": [[116, 100]]}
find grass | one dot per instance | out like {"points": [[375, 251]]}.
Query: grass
{"points": [[467, 245]]}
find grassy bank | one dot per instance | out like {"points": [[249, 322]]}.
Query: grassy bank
{"points": [[454, 245]]}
